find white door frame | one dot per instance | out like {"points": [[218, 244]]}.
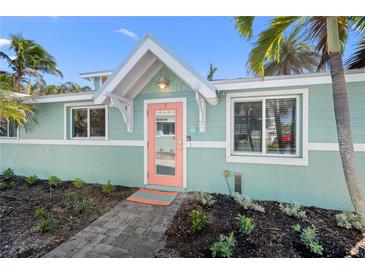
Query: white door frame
{"points": [[145, 134]]}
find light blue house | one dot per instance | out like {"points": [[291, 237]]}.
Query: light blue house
{"points": [[154, 122]]}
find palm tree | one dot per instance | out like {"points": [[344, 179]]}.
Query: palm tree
{"points": [[330, 34], [211, 72], [30, 61], [357, 60], [296, 56]]}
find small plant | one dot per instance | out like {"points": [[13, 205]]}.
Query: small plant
{"points": [[296, 228], [31, 180], [245, 224], [248, 203], [198, 220], [81, 207], [348, 220], [205, 199], [224, 247], [310, 240], [79, 183], [46, 225], [108, 188], [41, 213], [2, 185], [293, 210], [8, 174], [53, 181], [12, 184], [69, 196]]}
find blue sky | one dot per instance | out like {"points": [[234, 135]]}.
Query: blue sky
{"points": [[82, 44]]}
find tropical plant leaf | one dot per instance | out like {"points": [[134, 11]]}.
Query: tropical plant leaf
{"points": [[357, 59], [244, 25]]}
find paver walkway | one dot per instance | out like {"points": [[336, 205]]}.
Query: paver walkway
{"points": [[128, 230]]}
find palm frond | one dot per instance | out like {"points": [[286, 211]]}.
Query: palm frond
{"points": [[357, 59], [357, 23], [244, 25]]}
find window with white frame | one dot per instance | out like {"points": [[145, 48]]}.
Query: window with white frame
{"points": [[8, 129], [88, 122], [265, 126]]}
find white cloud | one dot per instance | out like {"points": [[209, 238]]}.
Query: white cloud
{"points": [[128, 33], [4, 42]]}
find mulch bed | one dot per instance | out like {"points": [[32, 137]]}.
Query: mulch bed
{"points": [[19, 236], [271, 237]]}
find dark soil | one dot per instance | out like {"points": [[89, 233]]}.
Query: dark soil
{"points": [[19, 236], [271, 237]]}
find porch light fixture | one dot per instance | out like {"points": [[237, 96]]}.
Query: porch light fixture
{"points": [[163, 84]]}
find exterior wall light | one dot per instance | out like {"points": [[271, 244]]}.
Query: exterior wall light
{"points": [[163, 84]]}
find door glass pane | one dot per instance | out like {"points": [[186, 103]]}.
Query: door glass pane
{"points": [[3, 127], [97, 122], [79, 123], [165, 142], [281, 126], [248, 126]]}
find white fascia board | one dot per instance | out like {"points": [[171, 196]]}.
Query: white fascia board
{"points": [[60, 98], [284, 82]]}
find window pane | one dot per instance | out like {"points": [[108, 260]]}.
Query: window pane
{"points": [[248, 126], [79, 122], [13, 130], [97, 122], [281, 126], [3, 127]]}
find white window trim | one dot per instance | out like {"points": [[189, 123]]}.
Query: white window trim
{"points": [[8, 132], [260, 158], [84, 105]]}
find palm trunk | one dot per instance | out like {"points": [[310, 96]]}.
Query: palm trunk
{"points": [[342, 114], [341, 106]]}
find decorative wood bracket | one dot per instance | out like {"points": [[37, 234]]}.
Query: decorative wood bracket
{"points": [[202, 112], [125, 106]]}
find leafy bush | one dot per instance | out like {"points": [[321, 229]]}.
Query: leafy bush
{"points": [[245, 224], [81, 207], [348, 220], [224, 247], [46, 225], [12, 184], [31, 180], [53, 181], [69, 196], [248, 203], [79, 183], [2, 185], [309, 238], [205, 199], [41, 213], [296, 228], [293, 210], [198, 220], [108, 188], [8, 174]]}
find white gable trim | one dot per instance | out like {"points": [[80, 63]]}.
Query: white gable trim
{"points": [[151, 46]]}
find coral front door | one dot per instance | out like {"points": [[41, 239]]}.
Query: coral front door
{"points": [[165, 144]]}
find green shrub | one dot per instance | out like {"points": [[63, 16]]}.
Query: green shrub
{"points": [[69, 196], [205, 199], [2, 185], [198, 220], [108, 188], [46, 225], [81, 207], [31, 180], [224, 247], [293, 210], [245, 224], [41, 213], [348, 220], [8, 174], [78, 183], [296, 228], [12, 184], [53, 181], [310, 240], [248, 203]]}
